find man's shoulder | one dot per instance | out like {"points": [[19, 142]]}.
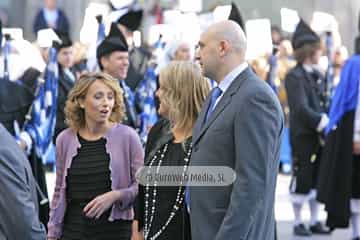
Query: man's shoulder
{"points": [[256, 89], [253, 84], [10, 153], [6, 140], [296, 72]]}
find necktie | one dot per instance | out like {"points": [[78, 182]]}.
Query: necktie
{"points": [[214, 96]]}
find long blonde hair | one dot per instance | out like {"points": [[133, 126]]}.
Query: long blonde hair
{"points": [[75, 115], [184, 92]]}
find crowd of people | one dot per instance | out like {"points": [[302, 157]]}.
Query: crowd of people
{"points": [[131, 110]]}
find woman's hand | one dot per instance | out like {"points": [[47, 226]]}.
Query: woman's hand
{"points": [[100, 204], [356, 148], [136, 235]]}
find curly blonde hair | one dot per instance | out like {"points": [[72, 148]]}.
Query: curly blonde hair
{"points": [[75, 115], [184, 92]]}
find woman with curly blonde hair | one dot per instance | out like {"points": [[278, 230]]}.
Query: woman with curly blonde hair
{"points": [[96, 161], [160, 211]]}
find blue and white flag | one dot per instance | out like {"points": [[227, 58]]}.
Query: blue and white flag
{"points": [[145, 97], [130, 104], [101, 30], [41, 124]]}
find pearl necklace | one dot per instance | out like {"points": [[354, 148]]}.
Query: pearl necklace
{"points": [[179, 196]]}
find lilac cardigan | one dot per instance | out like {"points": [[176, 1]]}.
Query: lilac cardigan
{"points": [[126, 157]]}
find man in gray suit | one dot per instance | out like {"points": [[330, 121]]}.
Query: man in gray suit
{"points": [[18, 200], [239, 127]]}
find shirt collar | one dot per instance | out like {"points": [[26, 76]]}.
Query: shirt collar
{"points": [[230, 77], [308, 68]]}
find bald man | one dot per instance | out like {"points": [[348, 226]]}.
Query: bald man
{"points": [[239, 127]]}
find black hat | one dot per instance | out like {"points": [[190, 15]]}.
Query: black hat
{"points": [[303, 35], [115, 41], [236, 16], [65, 40], [357, 39], [132, 19]]}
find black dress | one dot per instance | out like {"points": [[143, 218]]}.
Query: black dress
{"points": [[339, 177], [179, 227], [87, 178]]}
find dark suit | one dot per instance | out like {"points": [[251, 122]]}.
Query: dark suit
{"points": [[18, 201], [243, 133], [62, 23], [306, 98], [131, 111], [138, 63], [65, 85]]}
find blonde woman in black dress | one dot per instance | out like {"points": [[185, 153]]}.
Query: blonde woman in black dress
{"points": [[160, 211]]}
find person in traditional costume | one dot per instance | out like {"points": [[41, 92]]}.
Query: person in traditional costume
{"points": [[113, 58], [305, 90], [67, 78], [128, 19], [339, 178]]}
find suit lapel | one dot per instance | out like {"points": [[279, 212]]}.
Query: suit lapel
{"points": [[220, 107], [66, 82]]}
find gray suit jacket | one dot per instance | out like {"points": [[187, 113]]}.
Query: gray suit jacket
{"points": [[243, 133], [18, 198]]}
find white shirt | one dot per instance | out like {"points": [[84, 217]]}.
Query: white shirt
{"points": [[229, 78], [50, 16]]}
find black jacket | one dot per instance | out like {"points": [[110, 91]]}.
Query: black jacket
{"points": [[306, 98], [64, 87], [138, 58]]}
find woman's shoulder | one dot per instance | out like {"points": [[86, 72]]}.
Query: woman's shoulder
{"points": [[160, 127], [65, 135], [120, 130]]}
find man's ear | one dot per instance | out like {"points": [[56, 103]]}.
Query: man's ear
{"points": [[223, 48], [104, 61]]}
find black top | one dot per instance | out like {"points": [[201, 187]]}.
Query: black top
{"points": [[87, 178], [179, 227], [89, 174]]}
